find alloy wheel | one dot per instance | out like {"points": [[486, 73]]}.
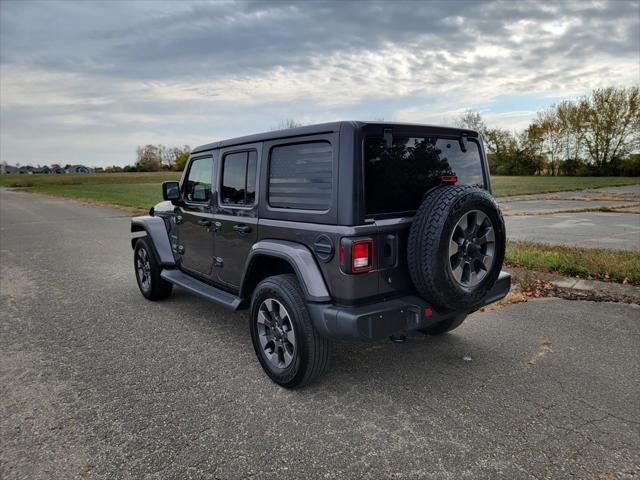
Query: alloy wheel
{"points": [[471, 248], [143, 268], [276, 333]]}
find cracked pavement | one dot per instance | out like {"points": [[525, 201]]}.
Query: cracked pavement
{"points": [[96, 382], [557, 218]]}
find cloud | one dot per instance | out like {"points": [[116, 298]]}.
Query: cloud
{"points": [[72, 71]]}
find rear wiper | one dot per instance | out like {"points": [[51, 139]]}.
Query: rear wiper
{"points": [[463, 142], [388, 138]]}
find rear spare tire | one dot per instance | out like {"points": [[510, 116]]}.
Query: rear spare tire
{"points": [[456, 246]]}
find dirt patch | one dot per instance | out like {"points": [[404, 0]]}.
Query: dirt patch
{"points": [[85, 201], [593, 296], [605, 196], [528, 284], [545, 347]]}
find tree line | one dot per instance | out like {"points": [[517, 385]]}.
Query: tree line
{"points": [[596, 135], [156, 158]]}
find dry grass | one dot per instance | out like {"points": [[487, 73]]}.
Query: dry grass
{"points": [[508, 186], [591, 263]]}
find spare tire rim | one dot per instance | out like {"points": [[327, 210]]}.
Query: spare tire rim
{"points": [[471, 248], [276, 334]]}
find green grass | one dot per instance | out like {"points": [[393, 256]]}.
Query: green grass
{"points": [[505, 186], [141, 190], [599, 263], [133, 190]]}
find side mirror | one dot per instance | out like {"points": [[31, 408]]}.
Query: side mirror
{"points": [[170, 190]]}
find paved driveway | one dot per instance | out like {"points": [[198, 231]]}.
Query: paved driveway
{"points": [[584, 229], [545, 218], [96, 382]]}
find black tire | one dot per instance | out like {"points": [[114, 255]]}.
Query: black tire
{"points": [[151, 285], [429, 260], [310, 353], [445, 326]]}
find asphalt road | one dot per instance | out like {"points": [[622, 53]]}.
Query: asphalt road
{"points": [[530, 217], [96, 382], [619, 231]]}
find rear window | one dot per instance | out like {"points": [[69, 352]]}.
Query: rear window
{"points": [[300, 176], [397, 178]]}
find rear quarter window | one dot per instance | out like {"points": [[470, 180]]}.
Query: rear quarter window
{"points": [[300, 176], [397, 178]]}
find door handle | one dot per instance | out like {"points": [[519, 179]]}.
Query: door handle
{"points": [[242, 229], [204, 222]]}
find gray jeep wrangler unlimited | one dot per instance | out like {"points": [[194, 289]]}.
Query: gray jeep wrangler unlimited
{"points": [[345, 230]]}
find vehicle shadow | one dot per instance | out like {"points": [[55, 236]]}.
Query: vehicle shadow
{"points": [[435, 363]]}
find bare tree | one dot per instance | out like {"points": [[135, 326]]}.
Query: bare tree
{"points": [[552, 138], [287, 123], [609, 121], [148, 158], [473, 121]]}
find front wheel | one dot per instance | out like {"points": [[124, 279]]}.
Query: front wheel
{"points": [[151, 284], [290, 350]]}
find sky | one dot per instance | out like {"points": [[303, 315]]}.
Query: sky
{"points": [[86, 82]]}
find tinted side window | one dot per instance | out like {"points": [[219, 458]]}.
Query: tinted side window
{"points": [[239, 178], [198, 186], [300, 176]]}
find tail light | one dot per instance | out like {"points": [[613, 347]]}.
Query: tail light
{"points": [[362, 256], [449, 179], [356, 255]]}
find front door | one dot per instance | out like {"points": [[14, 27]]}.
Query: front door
{"points": [[237, 213], [194, 218]]}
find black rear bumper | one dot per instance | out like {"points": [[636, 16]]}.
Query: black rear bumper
{"points": [[377, 321]]}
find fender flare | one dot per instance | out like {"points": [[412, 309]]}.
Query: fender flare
{"points": [[299, 257], [157, 232]]}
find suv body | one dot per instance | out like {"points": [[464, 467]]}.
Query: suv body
{"points": [[319, 202]]}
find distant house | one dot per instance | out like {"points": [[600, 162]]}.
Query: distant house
{"points": [[44, 169], [79, 169], [26, 169], [4, 168], [55, 168]]}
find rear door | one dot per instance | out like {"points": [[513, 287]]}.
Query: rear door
{"points": [[236, 213], [396, 179], [194, 217]]}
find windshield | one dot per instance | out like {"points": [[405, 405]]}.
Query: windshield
{"points": [[397, 178]]}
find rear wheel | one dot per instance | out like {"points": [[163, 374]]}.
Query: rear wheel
{"points": [[289, 348], [151, 284]]}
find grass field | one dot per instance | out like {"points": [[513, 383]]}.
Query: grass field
{"points": [[133, 190], [599, 263], [509, 186], [142, 190]]}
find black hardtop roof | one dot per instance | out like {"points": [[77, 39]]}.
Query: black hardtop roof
{"points": [[329, 127]]}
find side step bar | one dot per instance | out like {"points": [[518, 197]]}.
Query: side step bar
{"points": [[203, 289]]}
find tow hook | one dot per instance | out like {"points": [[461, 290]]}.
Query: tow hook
{"points": [[398, 338]]}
